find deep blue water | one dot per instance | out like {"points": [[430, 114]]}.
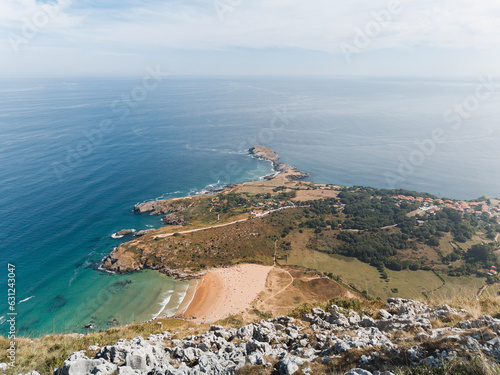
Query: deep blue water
{"points": [[67, 182]]}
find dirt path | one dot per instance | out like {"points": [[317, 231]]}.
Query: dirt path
{"points": [[389, 226], [496, 238], [275, 251], [224, 225], [282, 289], [200, 229], [481, 290]]}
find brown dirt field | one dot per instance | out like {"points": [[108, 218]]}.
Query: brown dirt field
{"points": [[303, 194], [287, 288], [307, 195]]}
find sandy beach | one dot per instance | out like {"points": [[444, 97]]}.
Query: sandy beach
{"points": [[226, 291]]}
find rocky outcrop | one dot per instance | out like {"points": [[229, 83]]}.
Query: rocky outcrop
{"points": [[287, 344], [123, 233], [122, 262], [160, 207], [265, 153], [174, 219], [143, 232]]}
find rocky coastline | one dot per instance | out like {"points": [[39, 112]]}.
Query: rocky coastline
{"points": [[267, 154], [120, 263], [116, 264], [160, 207], [400, 335]]}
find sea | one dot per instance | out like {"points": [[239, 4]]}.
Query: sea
{"points": [[76, 155]]}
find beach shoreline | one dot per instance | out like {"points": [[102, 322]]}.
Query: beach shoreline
{"points": [[223, 292]]}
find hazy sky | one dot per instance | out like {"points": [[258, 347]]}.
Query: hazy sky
{"points": [[254, 37]]}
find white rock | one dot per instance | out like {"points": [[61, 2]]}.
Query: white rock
{"points": [[358, 371]]}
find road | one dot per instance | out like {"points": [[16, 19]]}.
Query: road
{"points": [[226, 224], [200, 229]]}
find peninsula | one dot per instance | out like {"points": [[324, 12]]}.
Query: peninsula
{"points": [[376, 243], [290, 278]]}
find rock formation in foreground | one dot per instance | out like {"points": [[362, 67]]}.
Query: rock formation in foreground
{"points": [[400, 335]]}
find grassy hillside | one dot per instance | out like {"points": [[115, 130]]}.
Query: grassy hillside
{"points": [[49, 352], [365, 237]]}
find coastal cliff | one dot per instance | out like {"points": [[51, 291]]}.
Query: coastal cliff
{"points": [[161, 207], [122, 262]]}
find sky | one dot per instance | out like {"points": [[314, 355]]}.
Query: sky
{"points": [[250, 37]]}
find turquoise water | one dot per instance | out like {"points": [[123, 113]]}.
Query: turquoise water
{"points": [[66, 184]]}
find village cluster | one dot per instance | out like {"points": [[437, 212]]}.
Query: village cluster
{"points": [[280, 206], [433, 205]]}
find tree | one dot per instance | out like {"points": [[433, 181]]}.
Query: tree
{"points": [[433, 241], [481, 253]]}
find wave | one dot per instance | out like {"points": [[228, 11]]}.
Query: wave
{"points": [[218, 186], [72, 278], [26, 299], [115, 236], [168, 195], [163, 304], [161, 197], [101, 262], [209, 188], [2, 319], [183, 294]]}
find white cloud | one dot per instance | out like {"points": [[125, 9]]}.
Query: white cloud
{"points": [[315, 25]]}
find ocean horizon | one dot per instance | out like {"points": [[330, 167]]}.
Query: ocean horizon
{"points": [[78, 153]]}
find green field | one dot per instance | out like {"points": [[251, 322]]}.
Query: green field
{"points": [[362, 276]]}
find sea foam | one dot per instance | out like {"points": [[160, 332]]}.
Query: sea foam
{"points": [[26, 299], [163, 304]]}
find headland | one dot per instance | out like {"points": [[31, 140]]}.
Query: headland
{"points": [[376, 243]]}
